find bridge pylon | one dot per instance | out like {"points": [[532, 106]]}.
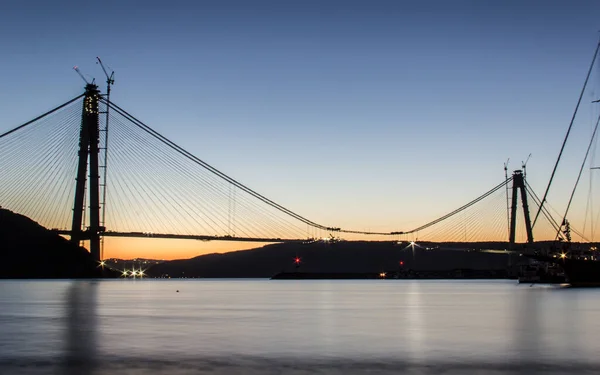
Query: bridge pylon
{"points": [[89, 140], [519, 185]]}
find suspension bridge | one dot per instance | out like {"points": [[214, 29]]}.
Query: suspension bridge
{"points": [[88, 169]]}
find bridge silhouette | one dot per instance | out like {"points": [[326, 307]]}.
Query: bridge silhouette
{"points": [[88, 169]]}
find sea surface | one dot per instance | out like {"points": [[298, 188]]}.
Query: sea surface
{"points": [[297, 327]]}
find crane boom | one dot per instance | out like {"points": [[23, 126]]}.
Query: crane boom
{"points": [[110, 80], [76, 68]]}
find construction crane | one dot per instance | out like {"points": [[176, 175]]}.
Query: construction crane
{"points": [[524, 166], [110, 79], [507, 199], [76, 68]]}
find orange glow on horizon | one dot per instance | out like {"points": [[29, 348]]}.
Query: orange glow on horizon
{"points": [[169, 249]]}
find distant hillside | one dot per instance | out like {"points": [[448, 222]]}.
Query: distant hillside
{"points": [[345, 256], [28, 250]]}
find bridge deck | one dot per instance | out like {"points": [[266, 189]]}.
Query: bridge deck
{"points": [[190, 237]]}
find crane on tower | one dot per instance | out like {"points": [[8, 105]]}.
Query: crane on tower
{"points": [[76, 68]]}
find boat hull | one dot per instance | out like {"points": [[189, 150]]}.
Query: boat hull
{"points": [[579, 272]]}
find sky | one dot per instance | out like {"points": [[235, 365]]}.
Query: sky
{"points": [[368, 115]]}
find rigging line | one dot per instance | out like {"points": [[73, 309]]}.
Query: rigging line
{"points": [[49, 211], [129, 199], [567, 135], [49, 178], [247, 218], [224, 176], [581, 236], [552, 222], [149, 180], [174, 204], [470, 223], [497, 229], [15, 146], [499, 186], [547, 206], [40, 121], [596, 221], [26, 186], [207, 166], [65, 189], [581, 169], [132, 174], [549, 218], [149, 175], [261, 210], [112, 218], [590, 200], [458, 223], [484, 221], [165, 159], [41, 116], [22, 175], [545, 211], [114, 215], [130, 202]]}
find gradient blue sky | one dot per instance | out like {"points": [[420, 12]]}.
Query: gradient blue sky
{"points": [[362, 114]]}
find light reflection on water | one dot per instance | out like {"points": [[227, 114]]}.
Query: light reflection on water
{"points": [[296, 327]]}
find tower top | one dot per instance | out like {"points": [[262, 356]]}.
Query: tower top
{"points": [[91, 88]]}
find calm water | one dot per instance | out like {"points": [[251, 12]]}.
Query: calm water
{"points": [[296, 327]]}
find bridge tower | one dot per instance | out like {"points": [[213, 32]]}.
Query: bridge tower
{"points": [[89, 140], [519, 185]]}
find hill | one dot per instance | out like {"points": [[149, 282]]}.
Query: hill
{"points": [[29, 250], [344, 256]]}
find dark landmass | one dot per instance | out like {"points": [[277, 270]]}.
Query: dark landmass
{"points": [[30, 251], [325, 275], [349, 257], [398, 274]]}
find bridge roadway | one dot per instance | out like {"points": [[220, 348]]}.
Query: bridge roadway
{"points": [[188, 237], [502, 248]]}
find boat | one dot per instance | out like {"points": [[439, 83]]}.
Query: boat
{"points": [[582, 270], [541, 272]]}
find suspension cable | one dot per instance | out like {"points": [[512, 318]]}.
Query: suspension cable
{"points": [[41, 116], [493, 190], [545, 211], [222, 175]]}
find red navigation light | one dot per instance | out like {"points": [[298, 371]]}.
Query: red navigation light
{"points": [[297, 260], [401, 262]]}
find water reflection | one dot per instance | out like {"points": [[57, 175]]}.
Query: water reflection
{"points": [[80, 355], [567, 319], [528, 332], [414, 315], [320, 327]]}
